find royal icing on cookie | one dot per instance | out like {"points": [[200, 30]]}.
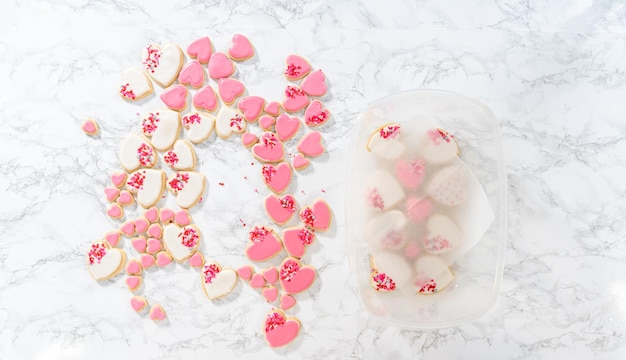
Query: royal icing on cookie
{"points": [[128, 228], [314, 84], [113, 238], [432, 275], [138, 303], [300, 162], [383, 191], [155, 231], [240, 48], [257, 281], [90, 127], [139, 243], [205, 98], [148, 185], [152, 214], [182, 218], [135, 85], [316, 114], [295, 277], [249, 139], [297, 67], [385, 142], [181, 242], [410, 174], [188, 186], [104, 262], [220, 66], [276, 177], [448, 186], [386, 231], [135, 152], [245, 272], [133, 282], [201, 49], [311, 144], [441, 147], [286, 126], [167, 216], [229, 90], [115, 211], [163, 64], [163, 258], [229, 121], [393, 266], [175, 97], [118, 179], [316, 216], [153, 246], [192, 74], [270, 293], [296, 240], [280, 210], [269, 148], [157, 313], [271, 275], [272, 108], [280, 330], [111, 193], [295, 99], [382, 282], [443, 235], [125, 198], [198, 125], [417, 208], [266, 122], [182, 156], [196, 260], [217, 281], [264, 244], [287, 302], [251, 107], [147, 261], [162, 127]]}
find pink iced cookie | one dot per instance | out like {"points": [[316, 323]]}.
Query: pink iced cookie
{"points": [[229, 90], [280, 330], [196, 260], [286, 126], [257, 281], [167, 216], [241, 48], [139, 243], [317, 216], [229, 121], [276, 177], [163, 258], [441, 147], [271, 275], [147, 261], [205, 98], [269, 148], [115, 211], [111, 193], [138, 303], [386, 141], [128, 228], [295, 277], [270, 293], [134, 267], [386, 231], [118, 179], [266, 122], [113, 238], [90, 127], [249, 139], [264, 244], [314, 84], [418, 209], [287, 302], [133, 282], [311, 144], [153, 246], [182, 218], [125, 198], [135, 85], [300, 162], [217, 282], [220, 66], [141, 225], [157, 313], [280, 210], [272, 108], [295, 99], [316, 114], [201, 49], [245, 272], [152, 214], [296, 68], [175, 97], [410, 174], [155, 231], [251, 107], [296, 240], [192, 74]]}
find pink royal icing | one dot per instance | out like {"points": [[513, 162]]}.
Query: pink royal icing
{"points": [[287, 302], [138, 303], [200, 49], [157, 313], [192, 74], [118, 178], [295, 278], [154, 246], [315, 114], [125, 198], [141, 225], [167, 215], [297, 67], [270, 293], [273, 108], [317, 216], [152, 214], [154, 231], [280, 331], [296, 240], [205, 98], [286, 126], [163, 258], [277, 177], [314, 84], [115, 211], [182, 218], [128, 228], [113, 238], [271, 275], [133, 267], [147, 261], [240, 48], [175, 97], [230, 89], [295, 99], [196, 260], [220, 66], [280, 210], [111, 193], [139, 243], [251, 107], [300, 162], [249, 139], [257, 281], [264, 244], [311, 144], [245, 272], [90, 127], [269, 148], [133, 282], [266, 122]]}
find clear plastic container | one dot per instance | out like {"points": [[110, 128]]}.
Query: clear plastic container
{"points": [[477, 270]]}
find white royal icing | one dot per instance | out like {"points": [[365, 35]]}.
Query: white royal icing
{"points": [[172, 239], [162, 127], [386, 143], [221, 284], [188, 187], [199, 125], [182, 156], [229, 120], [137, 82], [386, 231], [169, 63], [135, 152], [383, 191], [110, 264], [148, 184]]}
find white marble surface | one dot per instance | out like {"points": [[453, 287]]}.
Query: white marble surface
{"points": [[553, 72]]}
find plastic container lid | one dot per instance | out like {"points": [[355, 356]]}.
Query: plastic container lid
{"points": [[426, 209]]}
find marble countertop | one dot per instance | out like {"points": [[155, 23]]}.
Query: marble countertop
{"points": [[554, 75]]}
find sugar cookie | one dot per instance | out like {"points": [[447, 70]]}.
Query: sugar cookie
{"points": [[111, 193], [188, 186], [155, 231], [163, 258], [314, 84], [90, 127], [271, 275], [217, 282], [270, 293], [296, 239], [311, 144], [295, 99], [393, 266], [249, 139], [118, 179], [443, 235], [148, 185], [152, 214], [113, 238], [153, 246], [128, 228], [447, 187], [276, 177], [280, 210], [245, 272], [205, 98], [251, 107], [300, 162], [287, 302], [279, 329], [162, 127], [182, 156], [220, 66], [269, 148], [257, 281], [432, 275], [139, 243], [181, 242], [115, 211], [162, 64], [383, 191], [104, 262], [295, 277], [135, 152], [192, 74], [272, 108], [199, 126], [135, 85], [157, 313], [147, 261], [297, 67], [317, 216], [175, 97], [182, 218], [418, 209], [441, 147], [240, 48], [266, 122], [201, 49], [167, 216], [386, 231], [125, 198], [229, 90], [138, 303], [385, 142], [286, 126], [133, 282], [264, 244], [196, 260], [229, 121], [382, 281], [315, 114]]}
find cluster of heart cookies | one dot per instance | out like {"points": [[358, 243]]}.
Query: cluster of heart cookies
{"points": [[409, 229], [193, 110]]}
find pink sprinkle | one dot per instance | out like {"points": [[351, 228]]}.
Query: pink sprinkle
{"points": [[390, 132], [136, 181], [308, 217], [289, 270], [178, 182], [96, 253], [305, 236], [288, 203], [292, 92], [151, 62], [145, 154], [383, 282], [375, 200], [268, 172], [258, 234], [149, 124], [236, 122], [273, 321], [188, 237], [209, 272], [126, 92], [190, 119], [242, 223], [171, 158]]}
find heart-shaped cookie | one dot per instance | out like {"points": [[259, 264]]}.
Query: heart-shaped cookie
{"points": [[311, 144], [269, 148], [138, 303], [181, 157], [411, 173], [257, 281], [240, 48], [147, 185], [229, 90], [272, 108], [417, 208], [270, 293], [264, 244], [139, 243], [113, 238], [141, 225], [432, 275], [296, 240], [198, 125], [181, 242], [200, 49], [441, 147], [280, 330], [266, 122], [383, 191], [385, 142], [175, 97], [192, 74], [104, 262], [286, 126], [314, 84], [276, 177], [157, 313], [280, 210], [188, 186], [448, 186], [135, 152], [162, 64], [287, 302], [295, 277], [296, 68], [162, 127], [220, 66], [316, 114], [271, 275], [90, 127], [295, 99], [317, 216], [245, 272], [217, 281], [386, 231], [393, 266], [205, 98], [196, 260], [300, 162], [382, 282], [251, 107], [118, 179], [229, 121], [135, 85], [153, 246], [443, 235], [111, 193], [249, 139], [115, 211]]}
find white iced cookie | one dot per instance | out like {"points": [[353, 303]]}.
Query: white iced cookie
{"points": [[188, 186], [182, 156], [385, 142], [383, 191], [162, 127], [443, 235], [229, 120], [148, 185], [217, 281], [181, 242], [432, 275], [393, 266], [440, 148], [199, 125], [386, 231], [135, 152], [104, 262], [135, 85], [162, 64], [448, 186]]}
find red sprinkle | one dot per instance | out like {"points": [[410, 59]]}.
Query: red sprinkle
{"points": [[170, 158], [209, 271], [292, 92], [382, 282], [135, 182], [390, 132], [149, 123], [289, 270], [126, 92], [178, 182], [188, 237], [273, 321], [258, 234], [151, 62], [375, 200], [97, 252]]}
